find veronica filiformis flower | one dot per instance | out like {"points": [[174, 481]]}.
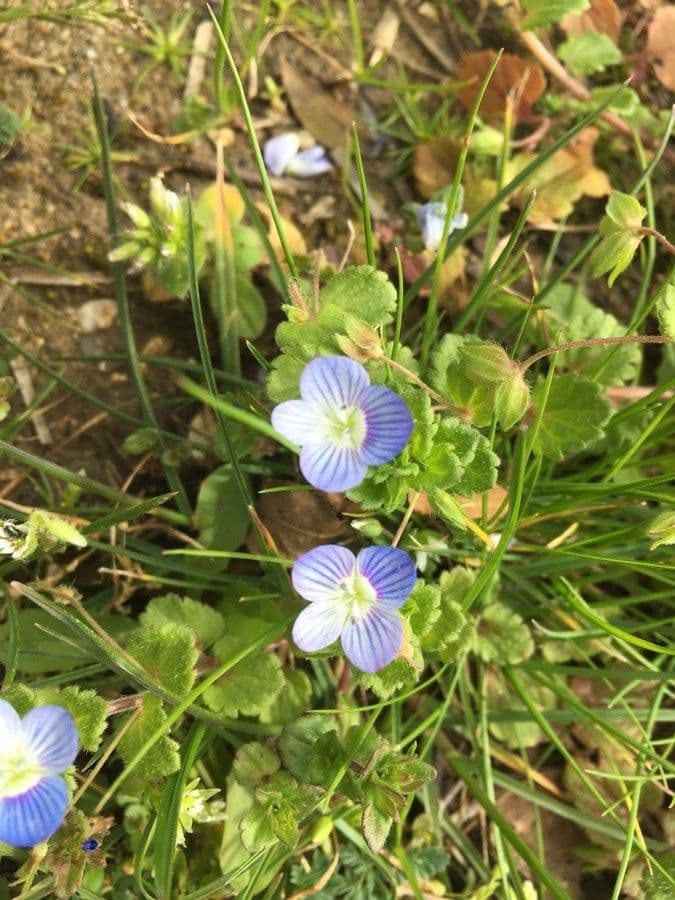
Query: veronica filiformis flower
{"points": [[35, 751], [283, 156], [431, 219], [342, 423], [355, 599]]}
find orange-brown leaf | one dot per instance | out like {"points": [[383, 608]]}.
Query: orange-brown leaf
{"points": [[603, 16], [660, 47], [513, 75]]}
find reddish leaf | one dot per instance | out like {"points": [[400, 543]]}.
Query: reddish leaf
{"points": [[660, 47], [513, 74]]}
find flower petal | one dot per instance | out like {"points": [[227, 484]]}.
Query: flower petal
{"points": [[431, 219], [373, 641], [34, 816], [389, 425], [317, 574], [333, 381], [51, 735], [319, 625], [390, 571], [461, 220], [279, 151], [299, 421], [10, 722], [331, 468], [310, 162]]}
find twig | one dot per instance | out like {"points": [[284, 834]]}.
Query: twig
{"points": [[25, 383], [594, 342], [406, 518], [661, 238]]}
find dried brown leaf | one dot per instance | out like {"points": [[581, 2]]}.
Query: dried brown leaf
{"points": [[326, 118], [299, 520], [660, 47], [513, 74], [603, 16]]}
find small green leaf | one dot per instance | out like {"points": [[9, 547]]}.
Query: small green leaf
{"points": [[291, 701], [402, 673], [163, 758], [512, 398], [656, 884], [483, 361], [502, 698], [221, 513], [206, 623], [545, 12], [588, 52], [575, 413], [364, 292], [297, 743], [613, 254], [452, 630], [168, 653], [624, 210], [376, 826], [251, 309], [662, 530], [502, 637], [422, 608], [253, 762], [665, 311], [250, 686]]}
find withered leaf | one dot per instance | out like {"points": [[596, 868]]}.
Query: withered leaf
{"points": [[660, 47], [603, 16], [317, 110], [299, 520], [513, 74], [562, 180]]}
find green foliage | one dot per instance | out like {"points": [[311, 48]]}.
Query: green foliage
{"points": [[546, 12], [502, 637], [589, 52], [168, 653], [162, 759], [662, 530], [358, 291], [218, 492], [657, 885], [206, 623], [516, 732], [665, 311], [10, 127], [291, 701], [572, 317], [620, 231], [280, 804], [250, 686], [576, 411]]}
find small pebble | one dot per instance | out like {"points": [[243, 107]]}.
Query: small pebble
{"points": [[97, 315]]}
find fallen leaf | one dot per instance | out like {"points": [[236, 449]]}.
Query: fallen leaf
{"points": [[318, 111], [513, 74], [299, 520], [660, 48], [562, 180], [434, 169], [473, 506], [294, 239], [604, 16], [384, 35]]}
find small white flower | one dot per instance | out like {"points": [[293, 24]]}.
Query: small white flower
{"points": [[431, 219], [283, 156]]}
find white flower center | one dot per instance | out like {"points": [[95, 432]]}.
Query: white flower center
{"points": [[358, 596], [346, 426], [19, 769]]}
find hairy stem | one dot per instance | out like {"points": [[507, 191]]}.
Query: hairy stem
{"points": [[594, 342]]}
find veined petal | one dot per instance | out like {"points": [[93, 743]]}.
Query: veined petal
{"points": [[319, 625], [334, 381], [318, 574], [34, 816], [461, 220], [373, 641], [307, 163], [390, 571], [331, 468], [299, 421], [10, 723], [388, 425], [51, 735], [279, 151]]}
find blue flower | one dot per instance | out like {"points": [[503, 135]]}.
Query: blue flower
{"points": [[343, 423], [34, 753], [355, 599], [283, 156], [431, 219]]}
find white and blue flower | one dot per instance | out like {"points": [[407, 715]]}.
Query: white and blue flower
{"points": [[431, 219], [283, 156], [355, 599], [342, 423], [34, 753]]}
